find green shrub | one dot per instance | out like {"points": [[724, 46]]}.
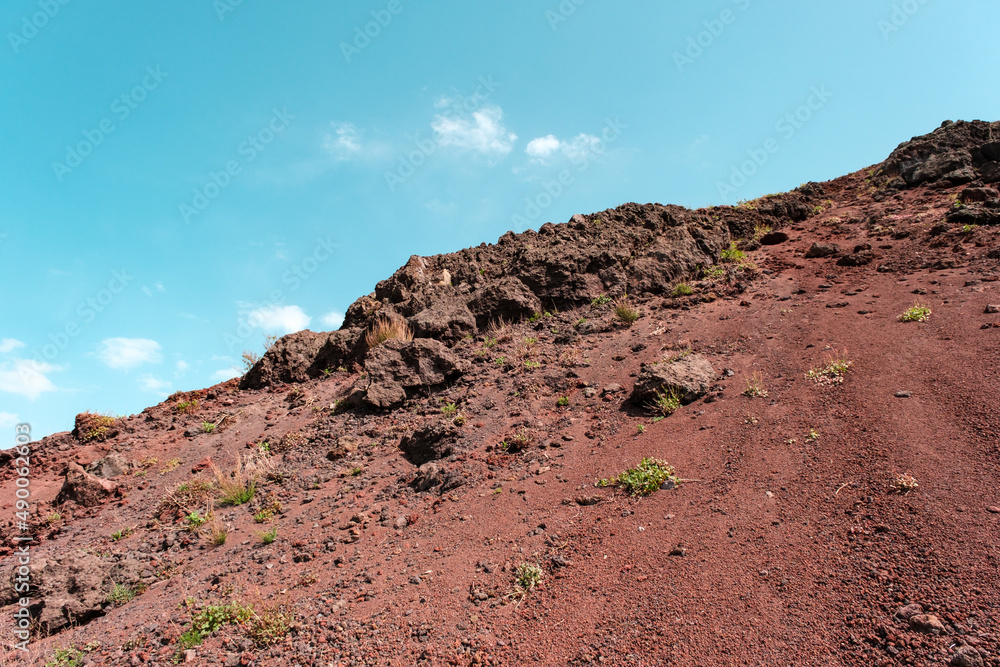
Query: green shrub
{"points": [[665, 402], [643, 479], [731, 255], [918, 312], [682, 289]]}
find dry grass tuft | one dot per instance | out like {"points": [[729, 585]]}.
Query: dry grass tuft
{"points": [[384, 329]]}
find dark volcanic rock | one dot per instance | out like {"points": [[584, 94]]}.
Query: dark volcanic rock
{"points": [[691, 376], [396, 367], [953, 154], [83, 488], [822, 250], [302, 356], [109, 467], [430, 443]]}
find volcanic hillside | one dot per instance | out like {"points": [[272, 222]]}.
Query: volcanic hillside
{"points": [[806, 385]]}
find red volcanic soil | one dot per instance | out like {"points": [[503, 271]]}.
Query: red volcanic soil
{"points": [[787, 542]]}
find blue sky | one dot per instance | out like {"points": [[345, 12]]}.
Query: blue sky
{"points": [[181, 179]]}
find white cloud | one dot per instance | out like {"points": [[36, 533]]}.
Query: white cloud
{"points": [[483, 133], [333, 319], [576, 149], [182, 366], [225, 374], [344, 142], [126, 353], [8, 344], [155, 385], [7, 420], [542, 147], [279, 319], [26, 377], [157, 287]]}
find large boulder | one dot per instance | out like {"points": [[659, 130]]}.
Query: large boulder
{"points": [[85, 489], [954, 153], [109, 467], [397, 367], [430, 443], [71, 588], [690, 376], [302, 356], [507, 298], [447, 320]]}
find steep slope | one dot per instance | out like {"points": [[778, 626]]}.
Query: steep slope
{"points": [[408, 483]]}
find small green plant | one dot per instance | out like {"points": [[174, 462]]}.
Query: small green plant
{"points": [[643, 479], [449, 409], [833, 370], [918, 312], [755, 386], [268, 536], [677, 356], [682, 289], [641, 428], [459, 420], [626, 313], [240, 484], [210, 619], [207, 427], [665, 401], [217, 533], [535, 317], [563, 401], [531, 365], [53, 518], [600, 300], [713, 272], [99, 428], [195, 520], [732, 254], [121, 533], [526, 578], [500, 361], [968, 229], [356, 471], [120, 594], [65, 657], [327, 372], [813, 435], [170, 465], [186, 407]]}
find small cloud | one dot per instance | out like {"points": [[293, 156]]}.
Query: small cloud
{"points": [[126, 353], [576, 149], [157, 288], [333, 319], [9, 344], [483, 133], [344, 142], [225, 374], [279, 319], [155, 385], [542, 147], [26, 377], [182, 365], [7, 420]]}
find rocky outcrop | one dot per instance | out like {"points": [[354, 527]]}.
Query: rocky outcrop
{"points": [[430, 443], [953, 154], [72, 588], [690, 376], [302, 356], [109, 467], [396, 368], [83, 488]]}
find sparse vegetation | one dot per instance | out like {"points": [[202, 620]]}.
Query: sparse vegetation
{"points": [[600, 300], [665, 402], [918, 312], [904, 483], [641, 428], [682, 289], [121, 533], [732, 254], [626, 313], [217, 533], [66, 657], [186, 407], [268, 536], [459, 420], [526, 578], [813, 435], [207, 427], [53, 518], [99, 428], [643, 479], [832, 371], [195, 521], [449, 409], [385, 328], [120, 594], [563, 401], [755, 386], [239, 485]]}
